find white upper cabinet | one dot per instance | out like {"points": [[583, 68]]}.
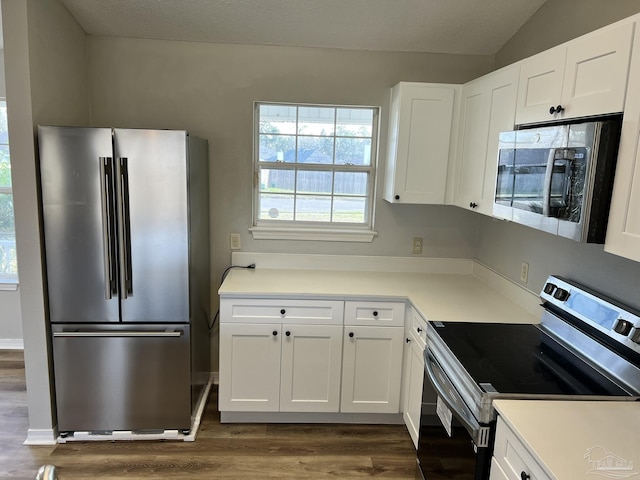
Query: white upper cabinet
{"points": [[488, 107], [584, 77], [418, 145], [623, 229]]}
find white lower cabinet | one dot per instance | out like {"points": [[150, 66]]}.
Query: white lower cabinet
{"points": [[274, 359], [310, 368], [249, 367], [413, 372], [512, 457], [371, 369]]}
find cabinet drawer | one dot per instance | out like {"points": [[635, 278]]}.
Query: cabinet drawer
{"points": [[513, 457], [374, 313], [309, 312], [418, 327]]}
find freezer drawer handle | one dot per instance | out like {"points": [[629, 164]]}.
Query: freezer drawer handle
{"points": [[115, 333]]}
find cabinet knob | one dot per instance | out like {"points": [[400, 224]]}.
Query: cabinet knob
{"points": [[419, 330], [351, 334], [524, 475], [397, 197], [557, 109], [287, 333], [375, 313], [283, 311], [275, 333], [408, 340], [473, 204]]}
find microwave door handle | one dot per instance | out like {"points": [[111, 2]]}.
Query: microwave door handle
{"points": [[566, 179], [468, 421], [548, 179]]}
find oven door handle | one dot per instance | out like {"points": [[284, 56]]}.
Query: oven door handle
{"points": [[479, 433]]}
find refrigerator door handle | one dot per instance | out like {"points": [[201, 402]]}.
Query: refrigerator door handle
{"points": [[116, 333], [124, 232], [106, 172]]}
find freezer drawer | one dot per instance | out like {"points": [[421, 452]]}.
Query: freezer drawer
{"points": [[122, 377]]}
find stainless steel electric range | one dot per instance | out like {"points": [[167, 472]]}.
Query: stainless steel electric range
{"points": [[586, 347]]}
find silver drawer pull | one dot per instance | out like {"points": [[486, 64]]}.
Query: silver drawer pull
{"points": [[115, 333]]}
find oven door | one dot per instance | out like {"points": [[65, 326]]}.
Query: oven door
{"points": [[465, 453]]}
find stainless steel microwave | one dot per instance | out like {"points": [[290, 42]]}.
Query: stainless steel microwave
{"points": [[559, 178]]}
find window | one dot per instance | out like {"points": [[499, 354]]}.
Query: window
{"points": [[8, 262], [314, 171]]}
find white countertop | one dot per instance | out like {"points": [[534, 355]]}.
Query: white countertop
{"points": [[568, 438], [437, 296]]}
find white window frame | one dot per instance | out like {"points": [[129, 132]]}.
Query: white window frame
{"points": [[7, 282], [305, 230]]}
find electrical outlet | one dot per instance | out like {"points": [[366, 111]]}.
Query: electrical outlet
{"points": [[417, 245], [235, 241], [524, 272]]}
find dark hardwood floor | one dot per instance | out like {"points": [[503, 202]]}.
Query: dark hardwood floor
{"points": [[246, 451]]}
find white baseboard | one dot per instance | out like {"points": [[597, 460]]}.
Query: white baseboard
{"points": [[361, 263], [41, 436], [304, 417], [11, 344]]}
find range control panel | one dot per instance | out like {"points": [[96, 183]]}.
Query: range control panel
{"points": [[616, 320]]}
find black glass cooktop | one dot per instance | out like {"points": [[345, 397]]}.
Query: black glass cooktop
{"points": [[521, 359]]}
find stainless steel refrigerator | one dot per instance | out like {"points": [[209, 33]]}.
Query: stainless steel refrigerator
{"points": [[126, 245]]}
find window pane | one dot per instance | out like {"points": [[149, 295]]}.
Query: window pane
{"points": [[354, 122], [277, 148], [316, 120], [314, 182], [315, 150], [356, 151], [313, 208], [278, 119], [4, 133], [5, 167], [349, 209], [8, 263], [351, 183], [276, 207], [277, 181]]}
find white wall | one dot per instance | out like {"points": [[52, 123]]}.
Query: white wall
{"points": [[210, 89], [45, 59]]}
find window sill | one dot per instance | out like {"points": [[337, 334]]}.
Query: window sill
{"points": [[316, 234], [8, 286]]}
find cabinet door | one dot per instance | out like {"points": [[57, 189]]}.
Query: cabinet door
{"points": [[413, 390], [540, 85], [475, 113], [496, 472], [488, 108], [503, 93], [623, 228], [371, 369], [310, 369], [418, 146], [249, 367], [595, 78], [513, 457]]}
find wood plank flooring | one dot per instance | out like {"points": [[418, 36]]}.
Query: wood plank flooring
{"points": [[246, 451]]}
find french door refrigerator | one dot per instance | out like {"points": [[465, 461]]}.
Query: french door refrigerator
{"points": [[126, 246]]}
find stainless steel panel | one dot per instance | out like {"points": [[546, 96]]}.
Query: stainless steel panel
{"points": [[115, 378], [157, 252], [73, 196]]}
